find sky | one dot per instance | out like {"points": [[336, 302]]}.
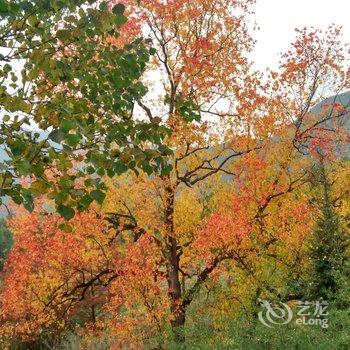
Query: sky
{"points": [[277, 20]]}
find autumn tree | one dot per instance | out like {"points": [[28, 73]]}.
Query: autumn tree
{"points": [[192, 39], [68, 264], [201, 57], [231, 202], [269, 205]]}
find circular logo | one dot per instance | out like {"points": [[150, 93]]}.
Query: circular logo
{"points": [[274, 313]]}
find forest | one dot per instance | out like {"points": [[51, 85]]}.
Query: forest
{"points": [[158, 191]]}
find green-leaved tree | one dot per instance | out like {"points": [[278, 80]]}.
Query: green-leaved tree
{"points": [[6, 241], [66, 97], [329, 252]]}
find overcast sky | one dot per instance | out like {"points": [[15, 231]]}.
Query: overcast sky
{"points": [[277, 20]]}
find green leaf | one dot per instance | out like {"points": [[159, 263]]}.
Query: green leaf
{"points": [[66, 212], [4, 7], [7, 68], [120, 20], [101, 172], [167, 169], [85, 201], [90, 170], [188, 110], [98, 196], [65, 227], [118, 9], [39, 186], [73, 139], [120, 168], [168, 152], [67, 125], [26, 107], [18, 147], [23, 167], [103, 6], [63, 34], [146, 167], [28, 200], [29, 205]]}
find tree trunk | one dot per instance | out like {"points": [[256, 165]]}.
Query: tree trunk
{"points": [[174, 287], [177, 308]]}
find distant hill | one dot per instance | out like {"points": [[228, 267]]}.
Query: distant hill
{"points": [[325, 109], [343, 99]]}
